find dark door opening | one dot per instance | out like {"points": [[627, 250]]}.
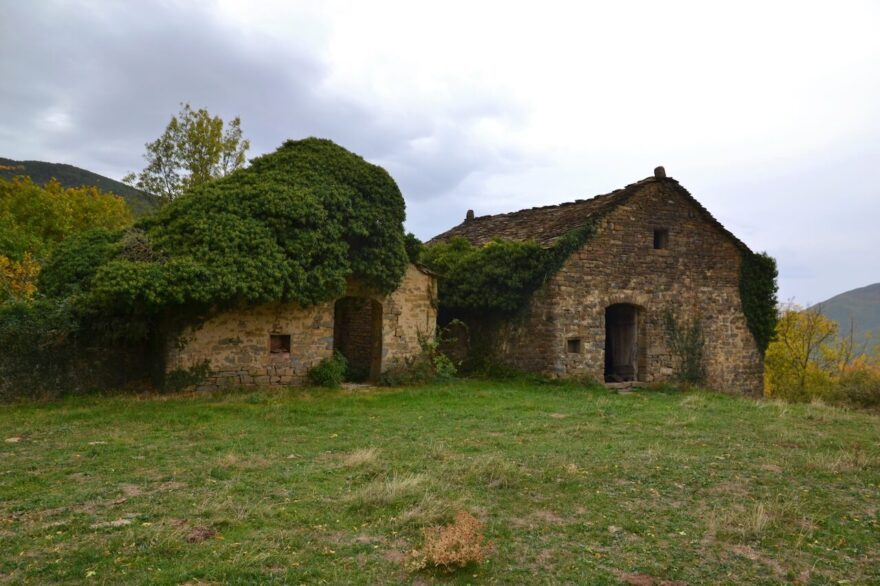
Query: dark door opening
{"points": [[621, 343], [357, 335]]}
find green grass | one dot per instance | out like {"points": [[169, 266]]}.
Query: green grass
{"points": [[574, 485]]}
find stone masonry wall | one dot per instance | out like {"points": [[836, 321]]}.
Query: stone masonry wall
{"points": [[697, 276], [235, 343]]}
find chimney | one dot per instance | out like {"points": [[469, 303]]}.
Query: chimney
{"points": [[469, 216], [660, 172]]}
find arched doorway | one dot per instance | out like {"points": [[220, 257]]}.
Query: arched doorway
{"points": [[357, 335], [622, 343]]}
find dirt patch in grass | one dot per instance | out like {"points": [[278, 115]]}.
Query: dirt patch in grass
{"points": [[539, 518], [121, 522], [131, 490], [200, 533], [637, 579], [747, 552]]}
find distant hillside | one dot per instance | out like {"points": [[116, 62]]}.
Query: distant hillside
{"points": [[862, 304], [141, 203]]}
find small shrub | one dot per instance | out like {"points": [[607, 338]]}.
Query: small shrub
{"points": [[452, 546], [330, 372], [858, 388], [429, 365]]}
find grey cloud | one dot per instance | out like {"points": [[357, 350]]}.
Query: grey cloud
{"points": [[119, 74]]}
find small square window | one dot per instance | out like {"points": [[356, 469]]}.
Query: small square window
{"points": [[573, 345], [661, 238], [279, 343]]}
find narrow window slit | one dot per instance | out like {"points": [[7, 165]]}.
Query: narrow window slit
{"points": [[661, 238]]}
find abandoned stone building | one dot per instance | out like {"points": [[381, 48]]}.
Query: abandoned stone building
{"points": [[277, 344], [656, 252]]}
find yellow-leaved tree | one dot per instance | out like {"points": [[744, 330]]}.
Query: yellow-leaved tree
{"points": [[810, 359], [34, 219], [18, 279]]}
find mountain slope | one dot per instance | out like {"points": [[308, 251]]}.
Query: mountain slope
{"points": [[141, 203], [862, 304]]}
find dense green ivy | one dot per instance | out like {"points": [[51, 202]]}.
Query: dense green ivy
{"points": [[294, 226], [499, 276], [757, 290]]}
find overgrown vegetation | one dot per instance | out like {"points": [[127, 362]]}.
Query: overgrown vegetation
{"points": [[757, 291], [811, 359], [46, 350], [499, 276], [686, 340], [186, 378], [429, 365], [329, 372], [574, 486], [292, 227]]}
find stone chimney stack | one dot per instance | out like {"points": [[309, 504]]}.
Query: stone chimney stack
{"points": [[660, 172], [469, 216]]}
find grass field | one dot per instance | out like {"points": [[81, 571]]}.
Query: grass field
{"points": [[574, 485]]}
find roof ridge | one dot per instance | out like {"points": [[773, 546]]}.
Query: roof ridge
{"points": [[580, 200]]}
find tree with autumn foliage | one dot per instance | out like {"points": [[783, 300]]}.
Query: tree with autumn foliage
{"points": [[810, 358], [194, 148], [35, 219]]}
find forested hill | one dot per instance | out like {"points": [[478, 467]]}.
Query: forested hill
{"points": [[862, 304], [141, 203]]}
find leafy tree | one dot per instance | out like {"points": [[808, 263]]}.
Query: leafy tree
{"points": [[809, 358], [194, 149], [34, 219]]}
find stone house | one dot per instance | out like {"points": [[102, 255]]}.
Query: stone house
{"points": [[656, 252], [277, 344]]}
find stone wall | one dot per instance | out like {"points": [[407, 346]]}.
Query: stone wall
{"points": [[696, 277], [235, 344]]}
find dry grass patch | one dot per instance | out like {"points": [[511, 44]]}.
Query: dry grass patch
{"points": [[430, 510], [495, 471], [743, 523], [360, 458], [851, 460], [388, 491], [452, 546]]}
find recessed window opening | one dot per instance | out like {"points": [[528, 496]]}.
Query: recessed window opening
{"points": [[573, 345], [279, 343], [661, 238]]}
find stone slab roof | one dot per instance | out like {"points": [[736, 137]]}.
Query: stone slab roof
{"points": [[547, 224]]}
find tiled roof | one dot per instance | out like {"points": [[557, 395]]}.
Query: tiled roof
{"points": [[548, 223]]}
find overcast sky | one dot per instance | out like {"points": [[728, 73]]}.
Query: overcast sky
{"points": [[768, 112]]}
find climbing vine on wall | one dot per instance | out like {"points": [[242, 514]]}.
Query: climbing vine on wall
{"points": [[499, 276], [757, 290]]}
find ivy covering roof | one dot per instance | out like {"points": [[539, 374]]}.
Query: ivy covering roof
{"points": [[293, 227]]}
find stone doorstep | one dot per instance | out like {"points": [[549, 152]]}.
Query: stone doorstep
{"points": [[625, 387]]}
